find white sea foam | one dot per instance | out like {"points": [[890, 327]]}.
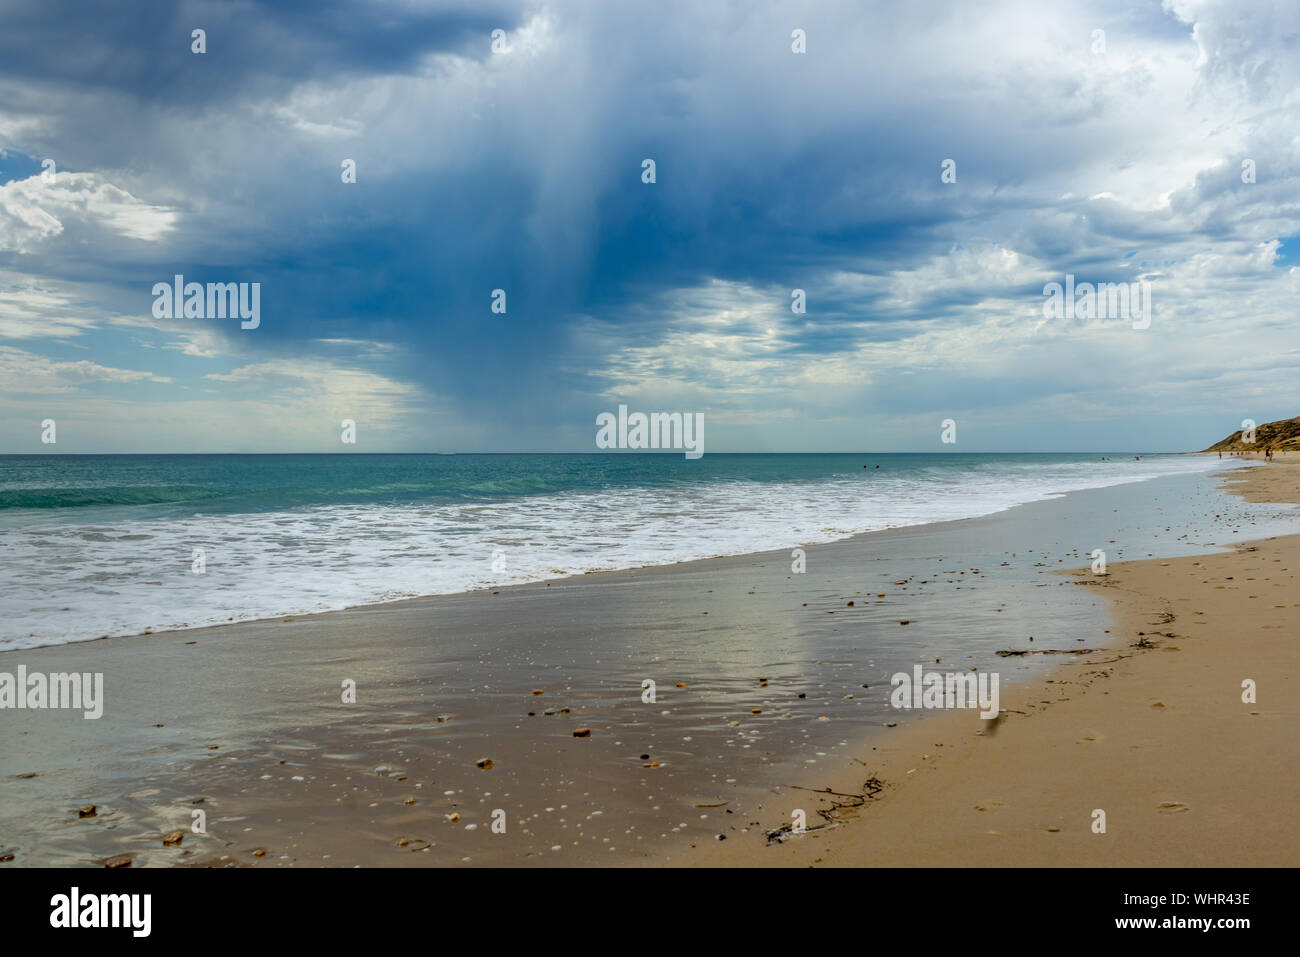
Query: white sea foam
{"points": [[64, 582]]}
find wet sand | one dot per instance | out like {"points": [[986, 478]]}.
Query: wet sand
{"points": [[1152, 730], [246, 722]]}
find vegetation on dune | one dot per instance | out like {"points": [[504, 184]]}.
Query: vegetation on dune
{"points": [[1284, 434]]}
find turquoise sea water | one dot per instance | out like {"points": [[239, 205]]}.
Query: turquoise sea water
{"points": [[113, 545]]}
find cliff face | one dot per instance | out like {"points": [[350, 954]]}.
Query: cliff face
{"points": [[1284, 434]]}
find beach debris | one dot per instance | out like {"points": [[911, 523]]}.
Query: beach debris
{"points": [[6, 857], [755, 710], [681, 684], [719, 837], [213, 747], [383, 769], [539, 691], [905, 621], [173, 839], [453, 817], [645, 757], [409, 802], [779, 834], [484, 763], [87, 811], [582, 732], [1017, 652], [723, 804], [261, 851], [870, 788], [122, 860]]}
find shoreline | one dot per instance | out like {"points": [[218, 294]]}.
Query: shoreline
{"points": [[444, 681], [1151, 730], [687, 565]]}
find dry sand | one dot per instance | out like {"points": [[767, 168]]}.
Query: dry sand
{"points": [[1157, 737]]}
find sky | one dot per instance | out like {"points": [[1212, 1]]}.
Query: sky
{"points": [[514, 161]]}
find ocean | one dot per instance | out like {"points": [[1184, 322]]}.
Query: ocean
{"points": [[107, 545]]}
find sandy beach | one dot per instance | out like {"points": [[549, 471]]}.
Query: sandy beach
{"points": [[1152, 730], [768, 684]]}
